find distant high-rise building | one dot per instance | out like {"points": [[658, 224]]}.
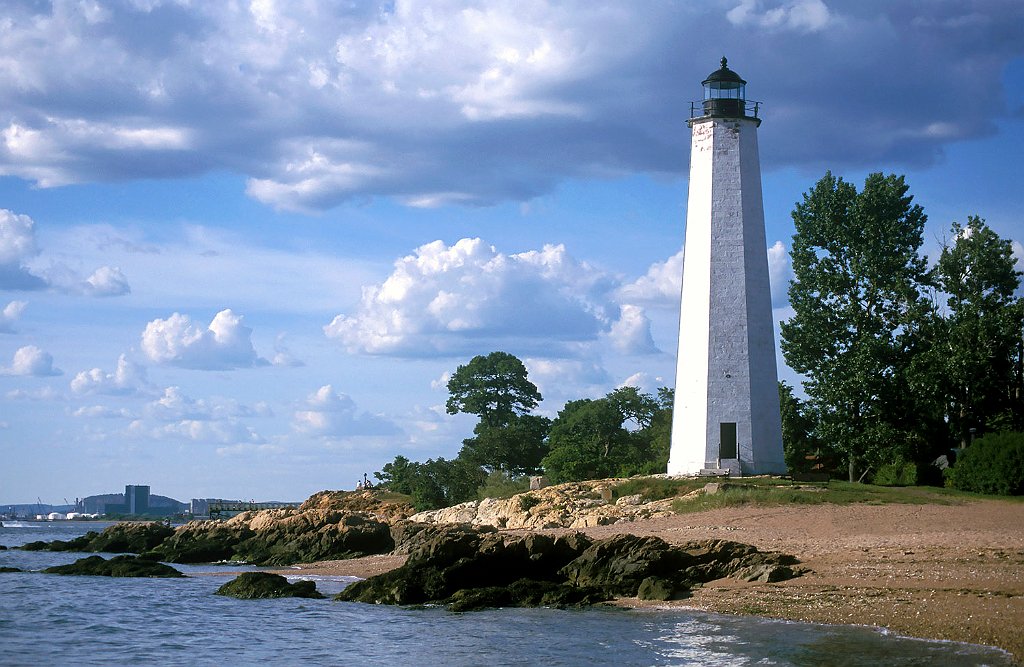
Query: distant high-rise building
{"points": [[136, 498]]}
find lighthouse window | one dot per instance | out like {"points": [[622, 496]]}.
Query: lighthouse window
{"points": [[727, 440]]}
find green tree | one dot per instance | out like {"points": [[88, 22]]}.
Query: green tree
{"points": [[801, 449], [399, 475], [434, 484], [515, 448], [582, 440], [858, 303], [493, 387], [622, 434], [979, 345]]}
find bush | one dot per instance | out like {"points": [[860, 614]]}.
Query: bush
{"points": [[528, 501], [993, 464], [899, 473], [501, 485]]}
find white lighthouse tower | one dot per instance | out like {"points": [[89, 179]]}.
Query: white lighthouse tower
{"points": [[726, 412]]}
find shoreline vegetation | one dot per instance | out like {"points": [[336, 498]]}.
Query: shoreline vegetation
{"points": [[917, 561]]}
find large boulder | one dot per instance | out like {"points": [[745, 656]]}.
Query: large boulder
{"points": [[619, 564], [118, 566], [260, 585], [468, 568]]}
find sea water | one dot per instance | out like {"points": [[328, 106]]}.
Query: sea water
{"points": [[62, 620]]}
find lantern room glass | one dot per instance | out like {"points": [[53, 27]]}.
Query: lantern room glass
{"points": [[724, 90]]}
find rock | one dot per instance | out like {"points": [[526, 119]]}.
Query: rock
{"points": [[278, 537], [619, 564], [378, 505], [656, 588], [118, 566], [469, 568], [203, 542], [260, 585], [124, 537], [10, 569], [571, 505]]}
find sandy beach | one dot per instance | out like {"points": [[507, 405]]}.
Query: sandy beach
{"points": [[953, 572]]}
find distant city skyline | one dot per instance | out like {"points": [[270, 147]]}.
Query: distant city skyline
{"points": [[243, 244]]}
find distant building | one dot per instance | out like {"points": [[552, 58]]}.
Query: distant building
{"points": [[201, 506], [136, 498]]}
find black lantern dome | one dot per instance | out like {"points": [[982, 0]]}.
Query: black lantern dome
{"points": [[725, 93]]}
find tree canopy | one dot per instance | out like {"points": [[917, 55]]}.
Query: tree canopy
{"points": [[857, 299], [493, 387]]}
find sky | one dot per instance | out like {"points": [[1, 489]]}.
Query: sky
{"points": [[244, 244]]}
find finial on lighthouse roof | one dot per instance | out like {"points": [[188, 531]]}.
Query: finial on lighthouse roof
{"points": [[725, 62]]}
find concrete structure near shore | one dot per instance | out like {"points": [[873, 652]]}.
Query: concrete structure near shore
{"points": [[726, 412]]}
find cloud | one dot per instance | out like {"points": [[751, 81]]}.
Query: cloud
{"points": [[128, 378], [797, 15], [197, 430], [661, 286], [175, 406], [102, 412], [283, 356], [476, 103], [32, 362], [780, 272], [17, 244], [225, 344], [566, 379], [331, 414], [631, 334], [106, 281], [10, 314], [460, 298]]}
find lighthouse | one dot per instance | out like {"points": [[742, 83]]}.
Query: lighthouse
{"points": [[726, 410]]}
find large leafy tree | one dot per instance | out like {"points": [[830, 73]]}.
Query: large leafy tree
{"points": [[494, 387], [979, 344], [857, 301]]}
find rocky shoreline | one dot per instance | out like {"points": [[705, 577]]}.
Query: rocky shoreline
{"points": [[940, 571]]}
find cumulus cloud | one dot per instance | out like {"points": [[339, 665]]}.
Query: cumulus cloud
{"points": [[17, 244], [106, 281], [225, 344], [33, 362], [331, 414], [631, 333], [455, 299], [661, 284], [473, 102], [10, 314], [780, 272], [128, 378]]}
